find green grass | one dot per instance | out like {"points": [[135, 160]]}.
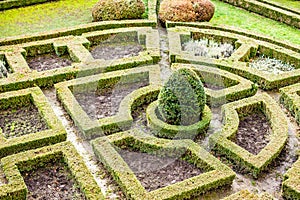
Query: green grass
{"points": [[292, 4], [68, 13], [44, 17], [229, 15]]}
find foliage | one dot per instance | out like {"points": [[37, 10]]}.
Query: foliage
{"points": [[186, 10], [182, 98], [118, 9]]}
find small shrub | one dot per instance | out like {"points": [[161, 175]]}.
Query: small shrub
{"points": [[186, 10], [118, 9], [182, 98]]}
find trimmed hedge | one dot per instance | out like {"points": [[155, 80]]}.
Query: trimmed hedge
{"points": [[269, 10], [246, 195], [165, 130], [77, 46], [9, 4], [26, 161], [291, 183], [235, 87], [54, 134], [123, 119], [291, 100], [247, 48], [221, 141], [216, 174]]}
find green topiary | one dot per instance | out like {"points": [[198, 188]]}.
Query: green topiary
{"points": [[182, 98], [118, 9]]}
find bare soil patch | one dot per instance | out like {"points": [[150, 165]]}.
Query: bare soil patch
{"points": [[253, 132], [156, 172], [53, 181], [98, 104], [115, 51], [48, 61]]}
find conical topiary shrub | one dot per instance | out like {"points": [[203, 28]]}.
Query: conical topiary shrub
{"points": [[182, 99]]}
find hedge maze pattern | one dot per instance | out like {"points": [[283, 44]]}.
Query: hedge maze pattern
{"points": [[241, 90]]}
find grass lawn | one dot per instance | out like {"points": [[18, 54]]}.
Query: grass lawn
{"points": [[68, 13], [232, 16]]}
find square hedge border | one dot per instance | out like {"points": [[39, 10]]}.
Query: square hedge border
{"points": [[77, 46], [123, 119], [54, 134], [216, 176], [238, 87], [291, 100], [246, 48], [291, 183], [255, 164], [29, 160]]}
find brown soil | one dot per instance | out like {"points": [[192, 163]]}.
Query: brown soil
{"points": [[253, 133], [48, 61], [51, 182], [113, 51], [156, 172], [21, 121], [99, 105]]}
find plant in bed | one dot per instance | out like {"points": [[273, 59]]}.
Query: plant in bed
{"points": [[180, 107]]}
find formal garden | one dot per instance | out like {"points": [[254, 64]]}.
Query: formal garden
{"points": [[150, 99]]}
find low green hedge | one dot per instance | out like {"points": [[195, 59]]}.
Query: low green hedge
{"points": [[235, 87], [123, 119], [291, 100], [247, 47], [238, 62], [267, 9], [291, 183], [9, 4], [221, 141], [165, 130], [26, 161], [216, 174], [246, 195], [54, 134], [240, 32], [77, 47]]}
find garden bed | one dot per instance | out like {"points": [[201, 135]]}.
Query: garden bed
{"points": [[53, 180], [157, 172], [19, 121], [48, 62]]}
